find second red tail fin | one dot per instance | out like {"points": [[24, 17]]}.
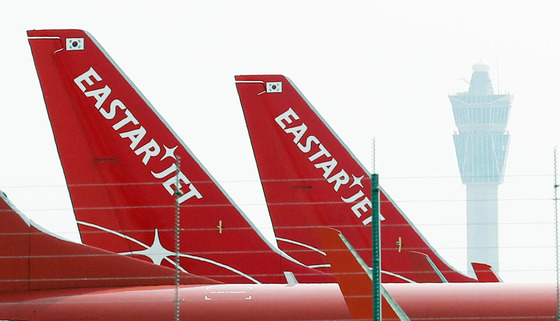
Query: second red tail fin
{"points": [[310, 179]]}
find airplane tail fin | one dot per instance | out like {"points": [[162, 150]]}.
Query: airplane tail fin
{"points": [[310, 178], [485, 273], [121, 163], [355, 280], [34, 259]]}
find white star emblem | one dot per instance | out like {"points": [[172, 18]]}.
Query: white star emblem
{"points": [[357, 181], [157, 253], [169, 152]]}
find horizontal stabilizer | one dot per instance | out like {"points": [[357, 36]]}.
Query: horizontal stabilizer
{"points": [[485, 273], [354, 279]]}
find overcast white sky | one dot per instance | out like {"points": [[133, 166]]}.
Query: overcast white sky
{"points": [[371, 68]]}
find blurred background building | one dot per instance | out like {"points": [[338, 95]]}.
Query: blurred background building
{"points": [[481, 144]]}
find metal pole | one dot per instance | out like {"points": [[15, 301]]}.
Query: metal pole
{"points": [[556, 235], [177, 230], [376, 241]]}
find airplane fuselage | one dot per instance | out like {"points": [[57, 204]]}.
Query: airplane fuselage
{"points": [[496, 301], [197, 302]]}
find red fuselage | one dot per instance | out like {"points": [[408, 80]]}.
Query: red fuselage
{"points": [[496, 301]]}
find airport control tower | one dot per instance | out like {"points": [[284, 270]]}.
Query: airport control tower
{"points": [[481, 145]]}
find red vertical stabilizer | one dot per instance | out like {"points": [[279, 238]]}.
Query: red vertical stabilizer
{"points": [[120, 161], [311, 179]]}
